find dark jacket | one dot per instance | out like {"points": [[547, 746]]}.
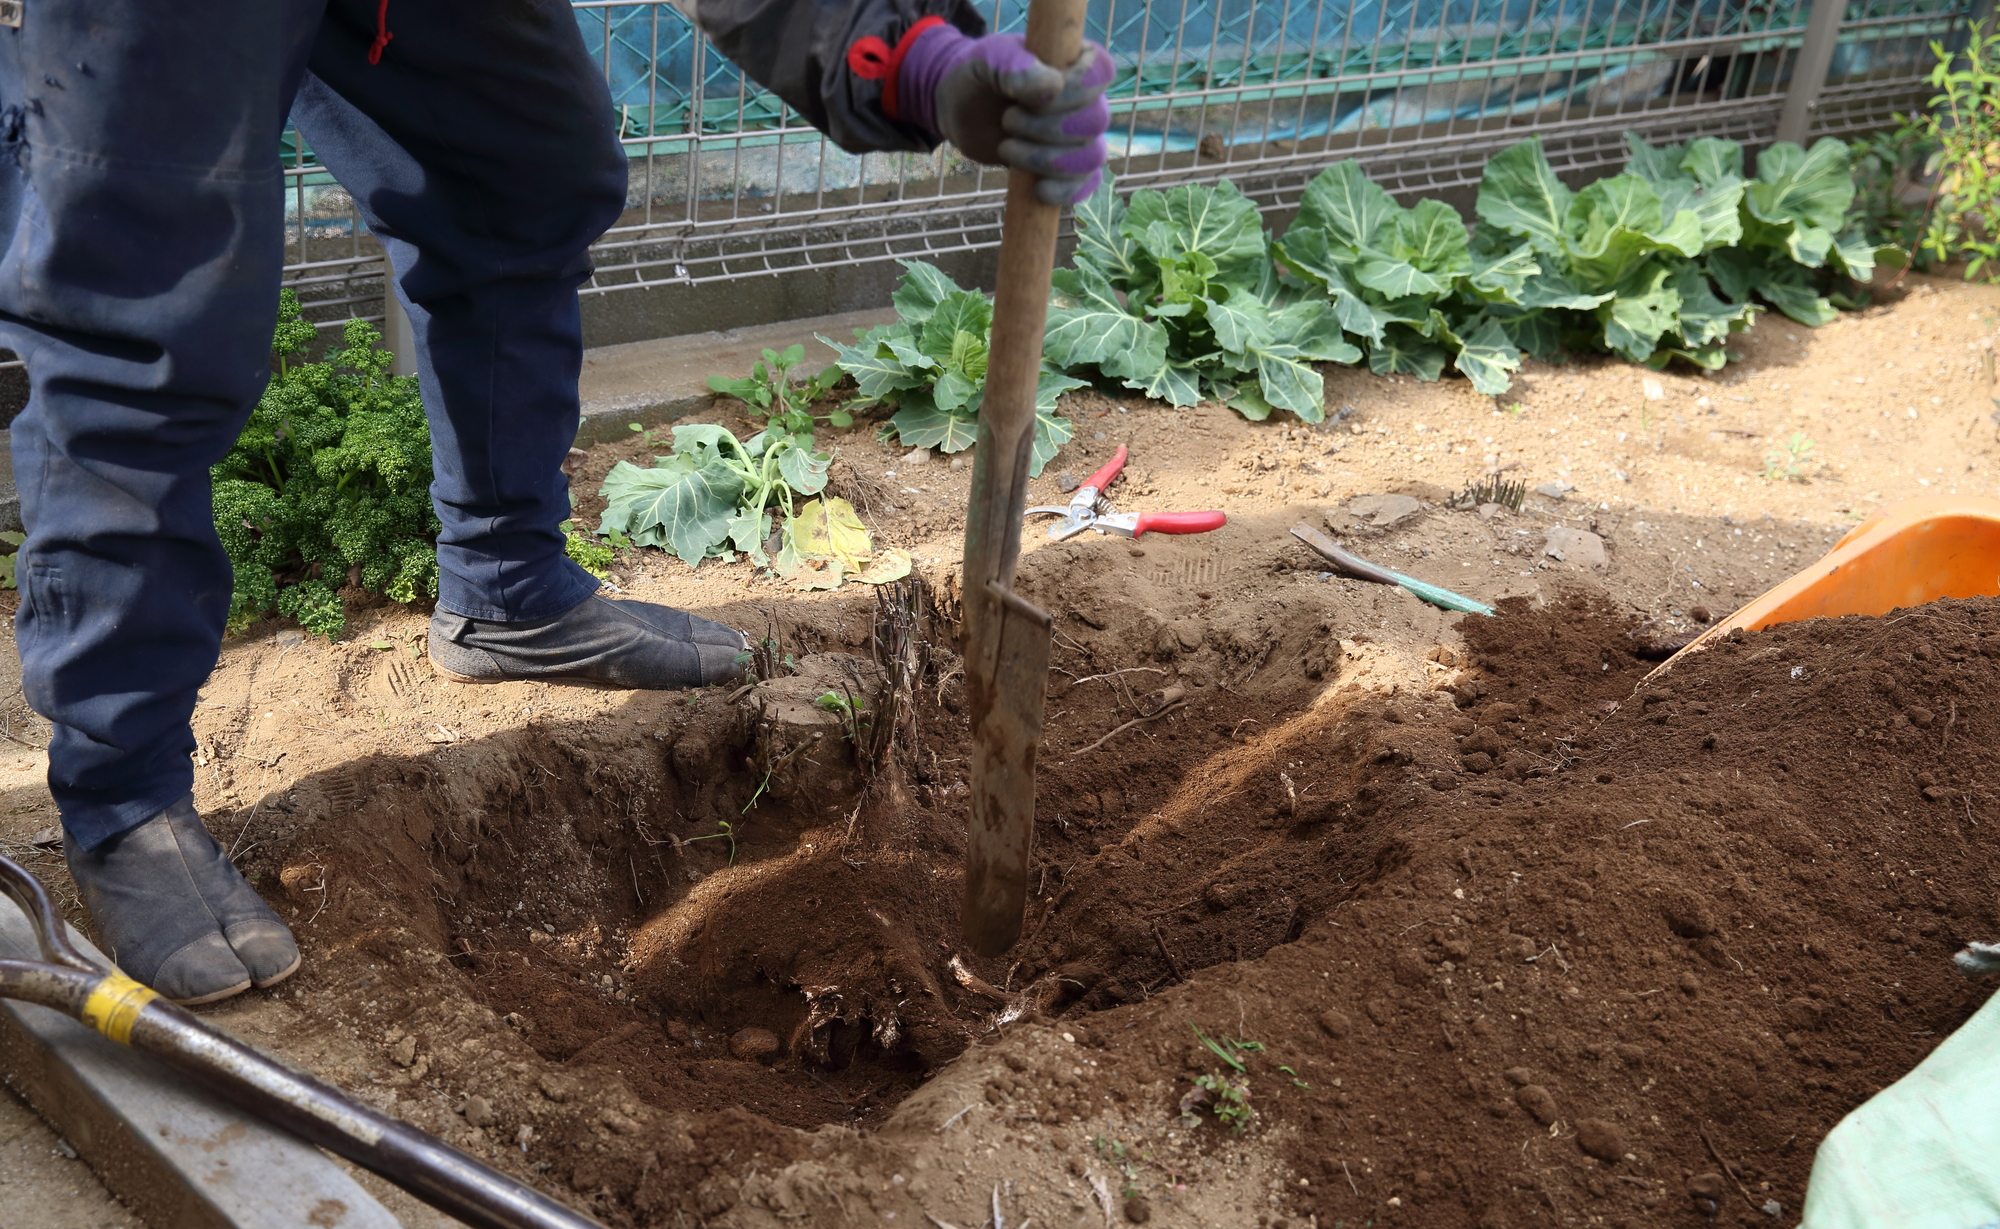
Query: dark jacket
{"points": [[798, 49]]}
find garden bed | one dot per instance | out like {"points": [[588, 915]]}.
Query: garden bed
{"points": [[1712, 913]]}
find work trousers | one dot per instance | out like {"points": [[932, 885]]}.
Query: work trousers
{"points": [[141, 182]]}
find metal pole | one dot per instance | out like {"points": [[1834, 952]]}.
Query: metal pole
{"points": [[397, 336], [1809, 70]]}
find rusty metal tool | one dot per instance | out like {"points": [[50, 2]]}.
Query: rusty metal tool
{"points": [[1082, 512], [128, 1013], [1359, 568], [1006, 637]]}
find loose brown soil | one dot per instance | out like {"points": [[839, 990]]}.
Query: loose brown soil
{"points": [[1524, 938]]}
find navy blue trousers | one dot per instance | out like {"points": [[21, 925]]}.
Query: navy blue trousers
{"points": [[143, 197]]}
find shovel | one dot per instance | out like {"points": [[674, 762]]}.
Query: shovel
{"points": [[65, 980], [1006, 642]]}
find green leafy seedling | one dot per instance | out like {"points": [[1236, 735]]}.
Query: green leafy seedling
{"points": [[929, 365], [784, 405], [834, 702], [714, 494], [1787, 464], [726, 831], [1227, 1095]]}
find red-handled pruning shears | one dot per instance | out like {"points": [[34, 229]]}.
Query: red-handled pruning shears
{"points": [[1082, 513]]}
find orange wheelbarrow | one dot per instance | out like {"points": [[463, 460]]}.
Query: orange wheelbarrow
{"points": [[1905, 554]]}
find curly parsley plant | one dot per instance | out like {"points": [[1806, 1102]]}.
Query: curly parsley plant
{"points": [[328, 484]]}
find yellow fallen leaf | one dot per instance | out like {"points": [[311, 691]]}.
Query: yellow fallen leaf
{"points": [[832, 528], [889, 565]]}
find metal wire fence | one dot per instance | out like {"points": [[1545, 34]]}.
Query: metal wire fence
{"points": [[727, 183]]}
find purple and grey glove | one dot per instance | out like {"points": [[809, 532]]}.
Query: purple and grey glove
{"points": [[1001, 106]]}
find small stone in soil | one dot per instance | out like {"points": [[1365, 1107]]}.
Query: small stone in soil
{"points": [[621, 1123], [556, 1086], [1578, 546], [1688, 915], [1137, 1211], [1067, 482], [1380, 511], [1538, 1101], [754, 1045], [477, 1110], [1600, 1139], [1335, 1024], [1706, 1190]]}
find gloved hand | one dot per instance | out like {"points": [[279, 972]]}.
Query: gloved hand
{"points": [[1000, 105]]}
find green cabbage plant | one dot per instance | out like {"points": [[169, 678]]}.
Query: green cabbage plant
{"points": [[1176, 295], [930, 366]]}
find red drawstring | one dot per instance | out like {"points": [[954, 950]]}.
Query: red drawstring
{"points": [[382, 35], [871, 59]]}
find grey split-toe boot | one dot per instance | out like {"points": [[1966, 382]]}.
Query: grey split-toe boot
{"points": [[636, 645], [175, 913]]}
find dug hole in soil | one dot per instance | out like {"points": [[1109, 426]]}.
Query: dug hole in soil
{"points": [[1519, 937], [1498, 933]]}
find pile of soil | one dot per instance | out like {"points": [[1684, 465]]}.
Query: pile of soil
{"points": [[1514, 933], [1650, 949]]}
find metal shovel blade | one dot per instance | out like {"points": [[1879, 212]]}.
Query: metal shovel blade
{"points": [[1005, 690]]}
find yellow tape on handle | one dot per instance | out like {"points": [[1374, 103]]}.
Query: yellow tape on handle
{"points": [[114, 1006]]}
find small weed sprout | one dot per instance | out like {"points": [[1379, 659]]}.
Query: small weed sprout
{"points": [[727, 831], [834, 702], [1788, 464], [587, 552], [765, 662], [1225, 1095], [1120, 1157]]}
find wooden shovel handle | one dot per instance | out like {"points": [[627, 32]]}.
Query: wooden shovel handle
{"points": [[1020, 313], [1006, 638]]}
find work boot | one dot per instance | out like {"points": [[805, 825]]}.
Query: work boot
{"points": [[636, 645], [174, 913]]}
